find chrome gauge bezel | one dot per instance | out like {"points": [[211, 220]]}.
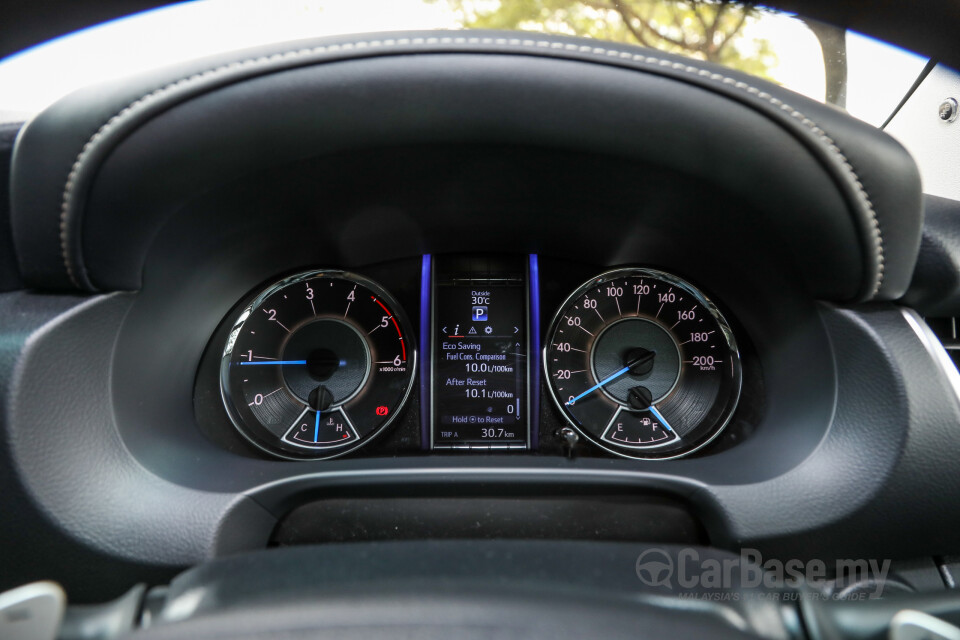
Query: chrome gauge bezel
{"points": [[334, 451], [634, 452]]}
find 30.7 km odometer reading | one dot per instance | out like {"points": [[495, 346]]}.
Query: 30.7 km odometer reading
{"points": [[643, 364]]}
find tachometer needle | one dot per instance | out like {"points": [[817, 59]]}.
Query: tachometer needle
{"points": [[610, 378], [277, 362]]}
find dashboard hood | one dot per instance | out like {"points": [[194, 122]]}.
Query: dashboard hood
{"points": [[96, 175]]}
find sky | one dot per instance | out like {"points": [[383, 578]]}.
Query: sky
{"points": [[878, 74]]}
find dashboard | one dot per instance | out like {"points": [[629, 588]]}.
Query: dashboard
{"points": [[529, 300]]}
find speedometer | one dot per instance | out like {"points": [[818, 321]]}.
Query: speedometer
{"points": [[643, 364]]}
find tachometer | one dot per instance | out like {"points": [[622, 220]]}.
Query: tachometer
{"points": [[317, 365], [643, 364]]}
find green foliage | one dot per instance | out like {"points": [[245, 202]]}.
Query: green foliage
{"points": [[711, 30]]}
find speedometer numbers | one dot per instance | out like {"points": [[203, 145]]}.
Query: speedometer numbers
{"points": [[317, 365], [643, 364]]}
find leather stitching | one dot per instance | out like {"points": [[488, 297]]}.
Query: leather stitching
{"points": [[131, 110]]}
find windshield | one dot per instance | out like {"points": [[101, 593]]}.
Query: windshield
{"points": [[860, 74]]}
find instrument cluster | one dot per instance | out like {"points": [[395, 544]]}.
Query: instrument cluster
{"points": [[635, 361]]}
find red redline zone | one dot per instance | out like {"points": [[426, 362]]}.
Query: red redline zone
{"points": [[390, 315]]}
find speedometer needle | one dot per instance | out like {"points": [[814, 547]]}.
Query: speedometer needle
{"points": [[613, 376], [639, 356], [610, 378]]}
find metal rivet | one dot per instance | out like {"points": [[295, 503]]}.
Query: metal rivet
{"points": [[948, 110]]}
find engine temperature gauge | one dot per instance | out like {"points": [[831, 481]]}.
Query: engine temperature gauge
{"points": [[317, 365], [643, 364]]}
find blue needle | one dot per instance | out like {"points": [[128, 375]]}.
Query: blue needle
{"points": [[609, 378], [659, 416], [316, 428], [613, 376], [277, 362]]}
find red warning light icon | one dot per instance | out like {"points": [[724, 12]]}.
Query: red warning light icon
{"points": [[383, 410]]}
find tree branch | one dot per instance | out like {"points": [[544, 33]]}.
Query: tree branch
{"points": [[614, 6], [699, 15], [709, 47], [627, 15], [730, 34], [679, 25]]}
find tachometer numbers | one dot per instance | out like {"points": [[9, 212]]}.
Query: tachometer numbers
{"points": [[317, 365]]}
